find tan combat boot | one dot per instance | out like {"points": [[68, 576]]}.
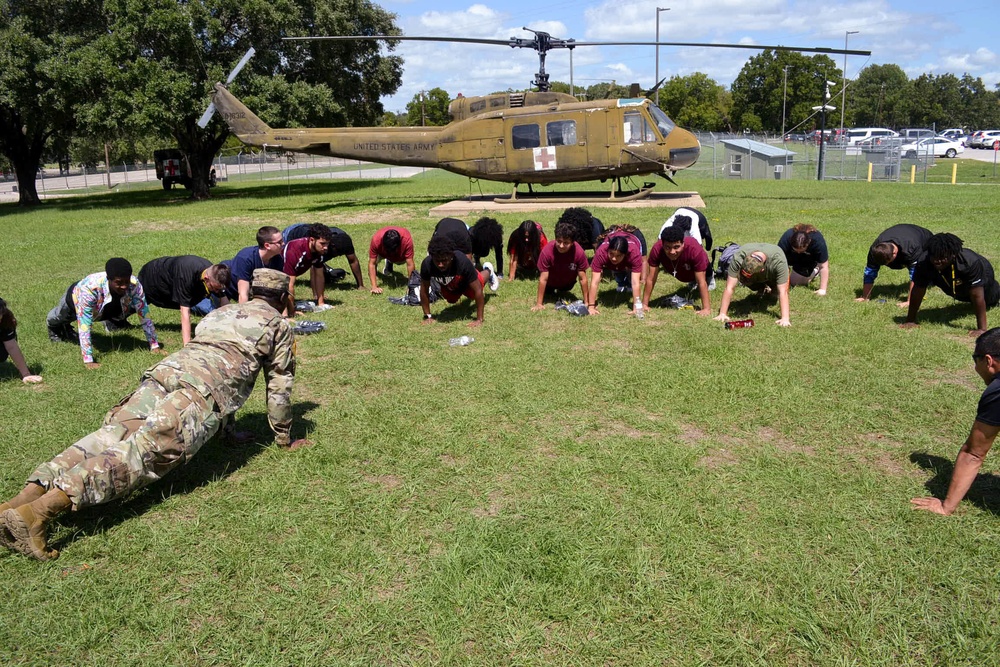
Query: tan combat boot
{"points": [[26, 527], [28, 494]]}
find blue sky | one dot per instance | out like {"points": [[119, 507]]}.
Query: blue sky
{"points": [[918, 35]]}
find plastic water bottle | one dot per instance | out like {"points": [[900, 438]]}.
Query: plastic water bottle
{"points": [[739, 324], [638, 308], [461, 341]]}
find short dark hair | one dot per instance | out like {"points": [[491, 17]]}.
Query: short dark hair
{"points": [[320, 231], [882, 252], [265, 234], [988, 343], [672, 234], [582, 219], [441, 245], [944, 246], [391, 241], [565, 230], [220, 273], [118, 267]]}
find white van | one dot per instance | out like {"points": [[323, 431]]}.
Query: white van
{"points": [[862, 133]]}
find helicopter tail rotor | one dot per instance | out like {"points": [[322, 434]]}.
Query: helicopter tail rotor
{"points": [[207, 116]]}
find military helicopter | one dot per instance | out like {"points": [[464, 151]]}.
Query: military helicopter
{"points": [[533, 138]]}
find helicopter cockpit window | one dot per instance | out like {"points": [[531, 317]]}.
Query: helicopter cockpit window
{"points": [[663, 121], [525, 136], [637, 129], [561, 133]]}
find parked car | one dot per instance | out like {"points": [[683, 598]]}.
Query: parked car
{"points": [[989, 139], [911, 134], [936, 146], [862, 133], [796, 136], [956, 134]]}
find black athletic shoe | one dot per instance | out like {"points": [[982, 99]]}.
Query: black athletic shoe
{"points": [[64, 334]]}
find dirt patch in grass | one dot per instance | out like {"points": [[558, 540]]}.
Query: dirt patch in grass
{"points": [[960, 381], [691, 435], [613, 429], [453, 461], [493, 508], [387, 482], [375, 216], [784, 444], [884, 454], [718, 458]]}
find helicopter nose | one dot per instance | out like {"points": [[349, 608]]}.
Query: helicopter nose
{"points": [[686, 151]]}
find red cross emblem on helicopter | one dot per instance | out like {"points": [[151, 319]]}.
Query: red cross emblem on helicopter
{"points": [[545, 157]]}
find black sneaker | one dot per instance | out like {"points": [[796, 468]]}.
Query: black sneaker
{"points": [[63, 334], [112, 326]]}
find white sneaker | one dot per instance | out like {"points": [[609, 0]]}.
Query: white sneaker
{"points": [[494, 278], [387, 269]]}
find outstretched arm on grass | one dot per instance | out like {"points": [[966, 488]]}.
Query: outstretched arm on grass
{"points": [[727, 297], [916, 298], [970, 459]]}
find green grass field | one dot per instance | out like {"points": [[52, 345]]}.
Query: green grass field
{"points": [[564, 491]]}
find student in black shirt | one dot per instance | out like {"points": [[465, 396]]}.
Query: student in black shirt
{"points": [[807, 256], [9, 349], [456, 275], [960, 273], [986, 358], [899, 247], [181, 283]]}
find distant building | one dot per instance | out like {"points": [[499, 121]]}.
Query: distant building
{"points": [[748, 159]]}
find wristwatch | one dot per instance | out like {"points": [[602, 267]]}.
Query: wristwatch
{"points": [[428, 316]]}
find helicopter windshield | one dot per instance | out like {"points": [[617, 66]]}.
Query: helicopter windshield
{"points": [[637, 129], [663, 121]]}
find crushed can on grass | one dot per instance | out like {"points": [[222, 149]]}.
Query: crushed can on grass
{"points": [[307, 327], [739, 324], [461, 341]]}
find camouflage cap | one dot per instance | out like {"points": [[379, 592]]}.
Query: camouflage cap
{"points": [[752, 265], [269, 279]]}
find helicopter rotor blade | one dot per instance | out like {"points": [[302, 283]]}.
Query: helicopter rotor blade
{"points": [[652, 91], [550, 42], [207, 116]]}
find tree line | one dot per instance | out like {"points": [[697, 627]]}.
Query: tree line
{"points": [[82, 78], [777, 90], [128, 74]]}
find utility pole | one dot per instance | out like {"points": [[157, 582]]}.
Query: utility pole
{"points": [[657, 82], [843, 87], [423, 115], [822, 126], [784, 95]]}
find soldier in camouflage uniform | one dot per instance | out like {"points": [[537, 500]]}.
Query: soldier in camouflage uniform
{"points": [[180, 404]]}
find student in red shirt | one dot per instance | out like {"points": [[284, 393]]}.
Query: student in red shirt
{"points": [[620, 253], [395, 244], [524, 246], [561, 264], [684, 258], [306, 254]]}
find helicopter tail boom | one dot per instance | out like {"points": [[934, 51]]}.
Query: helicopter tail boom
{"points": [[241, 121]]}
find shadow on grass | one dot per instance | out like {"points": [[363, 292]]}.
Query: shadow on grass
{"points": [[261, 191], [984, 492], [9, 373], [215, 461], [942, 314]]}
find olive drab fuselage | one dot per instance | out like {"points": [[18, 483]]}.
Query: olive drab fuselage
{"points": [[540, 138]]}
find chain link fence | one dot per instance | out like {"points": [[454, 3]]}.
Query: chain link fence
{"points": [[799, 161]]}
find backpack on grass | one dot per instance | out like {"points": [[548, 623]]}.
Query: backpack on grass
{"points": [[725, 254]]}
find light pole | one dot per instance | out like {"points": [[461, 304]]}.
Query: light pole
{"points": [[656, 83], [822, 126], [843, 87], [784, 94]]}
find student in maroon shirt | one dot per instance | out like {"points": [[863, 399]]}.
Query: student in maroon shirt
{"points": [[684, 258], [395, 244], [524, 247], [562, 263], [306, 254], [456, 275], [619, 253]]}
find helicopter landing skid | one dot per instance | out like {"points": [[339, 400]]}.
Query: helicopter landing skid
{"points": [[578, 197]]}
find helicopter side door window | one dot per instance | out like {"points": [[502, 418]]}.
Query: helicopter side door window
{"points": [[561, 133], [638, 130], [525, 136]]}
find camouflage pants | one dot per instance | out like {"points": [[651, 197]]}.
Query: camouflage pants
{"points": [[151, 432]]}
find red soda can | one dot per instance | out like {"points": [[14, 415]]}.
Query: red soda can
{"points": [[739, 324]]}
